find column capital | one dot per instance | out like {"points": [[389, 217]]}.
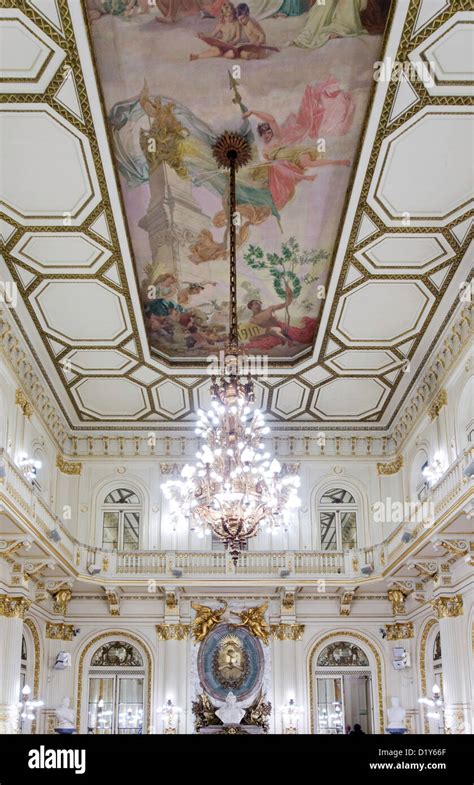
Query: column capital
{"points": [[448, 607], [287, 632], [172, 632], [397, 599], [400, 631], [58, 631], [13, 607]]}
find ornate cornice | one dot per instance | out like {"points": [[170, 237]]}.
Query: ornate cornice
{"points": [[13, 607], [172, 632], [393, 467], [58, 631], [440, 400], [287, 632], [448, 607], [400, 631], [68, 467]]}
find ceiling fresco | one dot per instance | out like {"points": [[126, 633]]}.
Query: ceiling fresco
{"points": [[294, 78]]}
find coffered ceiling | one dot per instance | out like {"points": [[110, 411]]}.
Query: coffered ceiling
{"points": [[400, 254]]}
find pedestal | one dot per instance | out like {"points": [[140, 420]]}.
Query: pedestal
{"points": [[231, 730]]}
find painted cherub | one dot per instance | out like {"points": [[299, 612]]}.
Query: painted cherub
{"points": [[227, 31]]}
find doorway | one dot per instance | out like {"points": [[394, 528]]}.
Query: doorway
{"points": [[343, 700]]}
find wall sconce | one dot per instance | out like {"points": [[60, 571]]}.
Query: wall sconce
{"points": [[434, 471], [27, 707], [289, 718], [436, 705], [170, 714]]}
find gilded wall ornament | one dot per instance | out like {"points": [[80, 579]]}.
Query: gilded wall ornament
{"points": [[22, 401], [61, 600], [287, 632], [172, 632], [230, 662], [68, 467], [205, 620], [58, 631], [386, 469], [399, 631], [342, 653], [437, 404], [254, 620], [448, 607], [397, 599], [13, 607], [117, 653]]}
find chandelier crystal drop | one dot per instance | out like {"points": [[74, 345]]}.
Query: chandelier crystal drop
{"points": [[235, 487]]}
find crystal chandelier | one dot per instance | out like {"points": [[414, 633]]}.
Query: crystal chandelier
{"points": [[235, 486]]}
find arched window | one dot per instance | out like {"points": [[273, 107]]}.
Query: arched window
{"points": [[121, 512], [337, 520], [116, 689]]}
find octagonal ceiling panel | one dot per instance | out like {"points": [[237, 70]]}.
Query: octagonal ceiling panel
{"points": [[432, 194], [410, 253], [58, 160], [111, 399], [69, 253], [382, 312], [449, 51], [171, 399], [349, 399], [360, 361], [290, 399], [82, 312], [28, 57]]}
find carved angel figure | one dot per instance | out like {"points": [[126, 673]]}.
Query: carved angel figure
{"points": [[205, 620], [254, 620]]}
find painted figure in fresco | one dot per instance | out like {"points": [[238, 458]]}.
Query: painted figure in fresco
{"points": [[325, 109], [341, 19], [293, 8], [265, 317], [226, 31], [265, 9], [98, 8], [251, 32]]}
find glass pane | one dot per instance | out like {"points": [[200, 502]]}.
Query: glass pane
{"points": [[349, 530], [337, 496], [131, 528], [327, 527], [100, 717], [110, 531], [130, 707], [329, 705], [121, 496]]}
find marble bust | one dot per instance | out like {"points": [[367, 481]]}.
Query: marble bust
{"points": [[65, 717], [396, 717], [229, 712]]}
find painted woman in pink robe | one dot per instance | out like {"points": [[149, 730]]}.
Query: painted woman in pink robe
{"points": [[325, 110]]}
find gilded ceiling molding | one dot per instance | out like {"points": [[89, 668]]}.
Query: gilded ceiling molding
{"points": [[68, 467], [58, 631], [13, 607], [400, 631], [437, 404], [385, 469], [448, 607], [172, 632], [22, 401], [287, 632]]}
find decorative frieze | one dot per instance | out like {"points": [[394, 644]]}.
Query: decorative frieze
{"points": [[392, 467], [58, 631], [14, 607], [287, 632], [448, 607], [172, 632], [400, 631], [68, 467]]}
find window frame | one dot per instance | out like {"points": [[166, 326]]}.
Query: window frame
{"points": [[121, 508], [339, 508]]}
